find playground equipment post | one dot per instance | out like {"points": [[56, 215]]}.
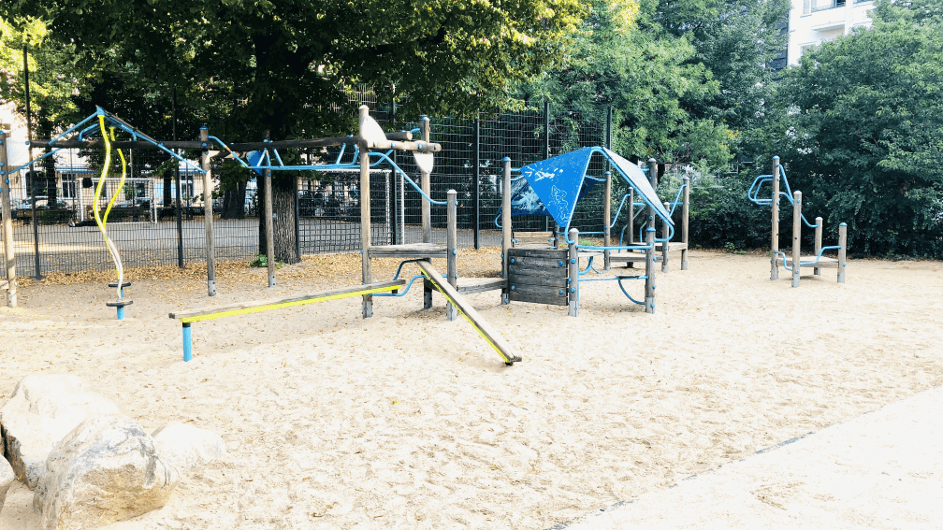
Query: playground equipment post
{"points": [[208, 213]]}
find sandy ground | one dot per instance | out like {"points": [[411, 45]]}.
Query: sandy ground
{"points": [[408, 421], [881, 470]]}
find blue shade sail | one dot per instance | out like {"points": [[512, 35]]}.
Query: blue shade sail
{"points": [[637, 179], [554, 186]]}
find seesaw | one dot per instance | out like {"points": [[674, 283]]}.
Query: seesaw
{"points": [[429, 272]]}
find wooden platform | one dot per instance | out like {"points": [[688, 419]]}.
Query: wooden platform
{"points": [[480, 285], [806, 261], [411, 250], [627, 257], [4, 284], [532, 239], [672, 246]]}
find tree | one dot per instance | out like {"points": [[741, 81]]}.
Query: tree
{"points": [[624, 57], [285, 66], [53, 77], [736, 40], [865, 130]]}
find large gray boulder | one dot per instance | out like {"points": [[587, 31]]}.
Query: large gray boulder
{"points": [[106, 470], [42, 410], [6, 478], [188, 447]]}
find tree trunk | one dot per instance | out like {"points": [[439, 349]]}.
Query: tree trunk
{"points": [[168, 188], [283, 210], [51, 184], [234, 203]]}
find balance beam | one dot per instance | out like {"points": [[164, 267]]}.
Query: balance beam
{"points": [[471, 315], [211, 313]]}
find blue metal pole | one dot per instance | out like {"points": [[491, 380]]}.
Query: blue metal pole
{"points": [[187, 343], [120, 313]]}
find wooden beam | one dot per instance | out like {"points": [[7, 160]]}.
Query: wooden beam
{"points": [[796, 235], [685, 217], [394, 141], [365, 228], [474, 318], [774, 244], [265, 305], [9, 257], [842, 251]]}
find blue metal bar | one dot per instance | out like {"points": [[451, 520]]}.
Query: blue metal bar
{"points": [[278, 157], [32, 161], [404, 290], [754, 190], [187, 343], [340, 154], [675, 202], [76, 126], [405, 176], [91, 128], [630, 247], [627, 295]]}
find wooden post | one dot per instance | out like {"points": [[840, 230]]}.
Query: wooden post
{"points": [[650, 270], [9, 257], [842, 251], [653, 180], [505, 224], [451, 257], [774, 248], [607, 212], [685, 213], [573, 287], [269, 224], [818, 243], [426, 185], [665, 234], [208, 213], [402, 210], [796, 236], [426, 208], [367, 276]]}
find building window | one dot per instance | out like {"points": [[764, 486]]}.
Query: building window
{"points": [[68, 185], [811, 6]]}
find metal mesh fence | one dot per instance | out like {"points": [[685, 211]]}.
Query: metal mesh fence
{"points": [[144, 224]]}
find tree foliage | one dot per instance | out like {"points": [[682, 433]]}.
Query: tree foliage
{"points": [[686, 78], [864, 124], [284, 66]]}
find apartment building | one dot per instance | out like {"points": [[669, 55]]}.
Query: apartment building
{"points": [[812, 22]]}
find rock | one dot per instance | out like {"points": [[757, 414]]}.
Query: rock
{"points": [[189, 447], [6, 478], [42, 410], [106, 470]]}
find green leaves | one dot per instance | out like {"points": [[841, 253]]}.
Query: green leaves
{"points": [[283, 66], [865, 130]]}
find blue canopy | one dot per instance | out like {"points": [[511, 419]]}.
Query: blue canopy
{"points": [[554, 186]]}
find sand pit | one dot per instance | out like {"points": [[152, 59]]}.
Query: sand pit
{"points": [[408, 421]]}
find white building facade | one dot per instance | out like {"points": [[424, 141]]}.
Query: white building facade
{"points": [[812, 22]]}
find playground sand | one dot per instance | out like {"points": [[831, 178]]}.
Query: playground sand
{"points": [[408, 421]]}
